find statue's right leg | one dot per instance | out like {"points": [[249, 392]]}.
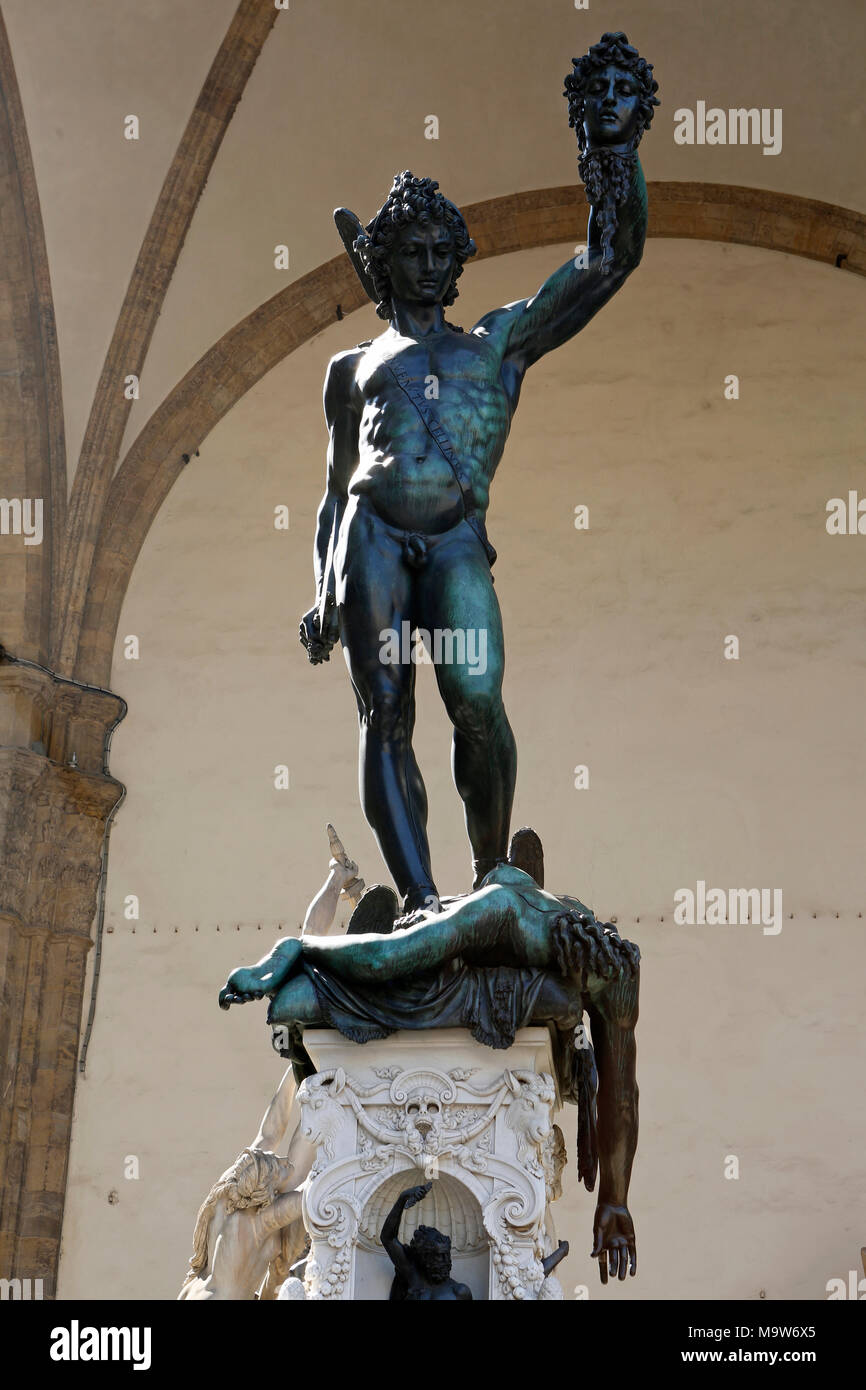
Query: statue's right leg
{"points": [[296, 1002], [374, 595], [457, 597]]}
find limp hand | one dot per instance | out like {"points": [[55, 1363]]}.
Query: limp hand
{"points": [[614, 1242]]}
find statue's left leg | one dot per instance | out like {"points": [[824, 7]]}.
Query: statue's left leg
{"points": [[296, 1002], [458, 605]]}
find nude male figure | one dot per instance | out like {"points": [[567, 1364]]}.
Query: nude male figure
{"points": [[400, 538], [422, 1269]]}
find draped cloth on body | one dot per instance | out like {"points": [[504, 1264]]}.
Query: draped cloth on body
{"points": [[492, 1002]]}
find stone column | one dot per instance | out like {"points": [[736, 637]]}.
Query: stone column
{"points": [[53, 813], [432, 1105]]}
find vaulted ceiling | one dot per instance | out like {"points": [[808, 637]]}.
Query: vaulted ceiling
{"points": [[255, 121]]}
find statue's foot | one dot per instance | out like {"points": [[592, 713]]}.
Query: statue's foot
{"points": [[240, 987], [421, 897], [255, 981], [481, 868], [410, 919]]}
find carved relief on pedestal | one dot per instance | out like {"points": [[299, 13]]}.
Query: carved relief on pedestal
{"points": [[482, 1134]]}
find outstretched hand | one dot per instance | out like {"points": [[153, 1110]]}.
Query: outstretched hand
{"points": [[613, 1241], [343, 870]]}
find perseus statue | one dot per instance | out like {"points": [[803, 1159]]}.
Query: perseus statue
{"points": [[417, 419]]}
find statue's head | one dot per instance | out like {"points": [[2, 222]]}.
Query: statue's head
{"points": [[611, 95], [256, 1178], [431, 1252], [583, 946], [415, 247], [321, 1109]]}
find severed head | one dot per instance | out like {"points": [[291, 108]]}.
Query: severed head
{"points": [[611, 100]]}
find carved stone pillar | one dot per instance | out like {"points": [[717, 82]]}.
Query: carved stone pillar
{"points": [[432, 1105], [53, 814]]}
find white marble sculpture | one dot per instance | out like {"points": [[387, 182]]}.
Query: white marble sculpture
{"points": [[243, 1233], [249, 1230], [437, 1106]]}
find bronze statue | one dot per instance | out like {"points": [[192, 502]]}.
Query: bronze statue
{"points": [[423, 1268], [418, 420]]}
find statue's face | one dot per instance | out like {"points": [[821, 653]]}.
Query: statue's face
{"points": [[611, 107], [424, 1114], [421, 264], [436, 1265]]}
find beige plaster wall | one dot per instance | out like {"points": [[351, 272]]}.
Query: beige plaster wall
{"points": [[706, 519]]}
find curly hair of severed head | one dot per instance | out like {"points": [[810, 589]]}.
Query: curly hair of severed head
{"points": [[411, 200], [583, 946], [606, 173]]}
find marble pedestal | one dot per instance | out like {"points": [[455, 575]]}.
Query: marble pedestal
{"points": [[433, 1105]]}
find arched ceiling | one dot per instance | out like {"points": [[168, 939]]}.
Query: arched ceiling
{"points": [[336, 104], [161, 249], [309, 305]]}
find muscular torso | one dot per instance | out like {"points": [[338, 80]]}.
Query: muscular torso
{"points": [[448, 1292], [400, 468]]}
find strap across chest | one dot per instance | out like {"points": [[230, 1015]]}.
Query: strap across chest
{"points": [[434, 427]]}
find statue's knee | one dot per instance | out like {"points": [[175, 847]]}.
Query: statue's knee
{"points": [[475, 713], [385, 712], [291, 953]]}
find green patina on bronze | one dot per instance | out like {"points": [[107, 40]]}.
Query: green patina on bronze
{"points": [[418, 420]]}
